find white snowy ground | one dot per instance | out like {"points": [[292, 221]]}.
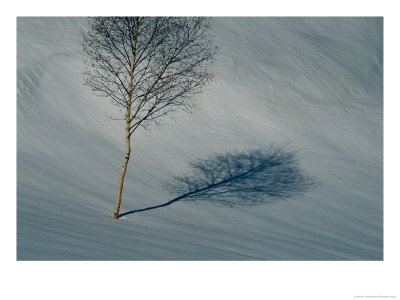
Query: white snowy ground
{"points": [[309, 85]]}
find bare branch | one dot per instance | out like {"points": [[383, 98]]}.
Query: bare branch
{"points": [[172, 63]]}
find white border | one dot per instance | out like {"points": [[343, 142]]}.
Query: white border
{"points": [[199, 280]]}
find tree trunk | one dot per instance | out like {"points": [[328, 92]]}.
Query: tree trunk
{"points": [[123, 171], [128, 121]]}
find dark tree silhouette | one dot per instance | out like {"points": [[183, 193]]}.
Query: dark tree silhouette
{"points": [[148, 66], [241, 179]]}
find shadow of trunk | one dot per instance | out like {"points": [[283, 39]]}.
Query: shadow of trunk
{"points": [[240, 179]]}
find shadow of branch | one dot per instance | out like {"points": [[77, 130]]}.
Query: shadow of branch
{"points": [[240, 179]]}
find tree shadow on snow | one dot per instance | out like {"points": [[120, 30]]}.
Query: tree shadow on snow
{"points": [[240, 179]]}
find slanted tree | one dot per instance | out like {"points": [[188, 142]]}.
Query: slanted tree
{"points": [[148, 66]]}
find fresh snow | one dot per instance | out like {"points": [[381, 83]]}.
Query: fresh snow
{"points": [[309, 86]]}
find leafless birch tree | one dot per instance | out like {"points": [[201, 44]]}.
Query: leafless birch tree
{"points": [[149, 66]]}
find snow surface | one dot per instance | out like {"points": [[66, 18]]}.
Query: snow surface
{"points": [[310, 86]]}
